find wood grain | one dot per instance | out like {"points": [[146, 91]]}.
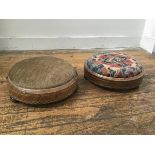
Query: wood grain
{"points": [[91, 110]]}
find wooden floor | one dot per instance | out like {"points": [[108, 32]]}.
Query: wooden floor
{"points": [[91, 110]]}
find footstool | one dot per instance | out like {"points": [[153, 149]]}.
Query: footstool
{"points": [[114, 70], [41, 80]]}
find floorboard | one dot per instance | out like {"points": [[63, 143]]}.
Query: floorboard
{"points": [[91, 110]]}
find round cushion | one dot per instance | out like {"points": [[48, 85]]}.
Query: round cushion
{"points": [[118, 68], [42, 80]]}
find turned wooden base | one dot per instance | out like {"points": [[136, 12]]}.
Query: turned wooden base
{"points": [[42, 96], [41, 80], [113, 83]]}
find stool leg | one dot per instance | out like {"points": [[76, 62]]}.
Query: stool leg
{"points": [[13, 99]]}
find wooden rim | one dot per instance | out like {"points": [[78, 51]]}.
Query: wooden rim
{"points": [[42, 96], [113, 83]]}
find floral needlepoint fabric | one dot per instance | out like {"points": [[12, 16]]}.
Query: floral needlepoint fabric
{"points": [[114, 64]]}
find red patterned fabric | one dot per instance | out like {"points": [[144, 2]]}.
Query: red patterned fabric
{"points": [[114, 64]]}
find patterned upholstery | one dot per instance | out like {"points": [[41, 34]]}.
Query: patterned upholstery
{"points": [[114, 64]]}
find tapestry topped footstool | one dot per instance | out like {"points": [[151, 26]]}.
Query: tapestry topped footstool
{"points": [[42, 80], [113, 70]]}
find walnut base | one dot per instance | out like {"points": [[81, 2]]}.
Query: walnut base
{"points": [[42, 96], [113, 83]]}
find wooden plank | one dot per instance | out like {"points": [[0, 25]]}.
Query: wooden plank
{"points": [[91, 110]]}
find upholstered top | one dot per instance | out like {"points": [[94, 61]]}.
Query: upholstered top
{"points": [[114, 64], [41, 73]]}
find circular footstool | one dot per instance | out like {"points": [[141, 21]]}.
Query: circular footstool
{"points": [[113, 70], [41, 80]]}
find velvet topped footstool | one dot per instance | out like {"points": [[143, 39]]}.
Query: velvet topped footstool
{"points": [[42, 80], [113, 70]]}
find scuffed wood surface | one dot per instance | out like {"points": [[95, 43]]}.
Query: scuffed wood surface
{"points": [[91, 110]]}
